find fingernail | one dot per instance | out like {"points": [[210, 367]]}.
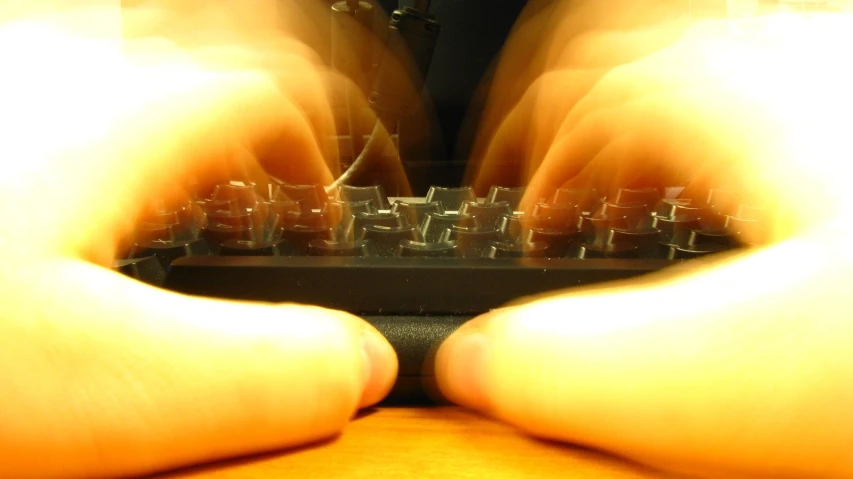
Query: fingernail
{"points": [[462, 368], [379, 367]]}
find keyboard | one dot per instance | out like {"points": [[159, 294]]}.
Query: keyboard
{"points": [[418, 268]]}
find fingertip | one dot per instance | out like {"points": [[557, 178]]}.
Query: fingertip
{"points": [[462, 366], [379, 367]]}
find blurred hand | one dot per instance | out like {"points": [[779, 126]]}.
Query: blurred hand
{"points": [[741, 367], [105, 376]]}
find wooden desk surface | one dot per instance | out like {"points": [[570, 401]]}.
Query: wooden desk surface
{"points": [[426, 443]]}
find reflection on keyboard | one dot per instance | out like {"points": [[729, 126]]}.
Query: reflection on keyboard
{"points": [[417, 268]]}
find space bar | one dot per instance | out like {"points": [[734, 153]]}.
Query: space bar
{"points": [[416, 286]]}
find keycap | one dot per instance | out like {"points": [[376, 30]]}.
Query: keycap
{"points": [[386, 239], [313, 196], [342, 212], [635, 215], [420, 249], [554, 216], [747, 231], [690, 210], [558, 243], [722, 200], [512, 196], [485, 215], [596, 229], [666, 207], [222, 208], [311, 219], [322, 247], [220, 229], [283, 207], [147, 269], [242, 195], [298, 237], [250, 248], [167, 251], [720, 236], [671, 229], [585, 200], [375, 194], [183, 220], [511, 228], [471, 242], [517, 250], [695, 251], [644, 196], [750, 212], [435, 224], [362, 220], [450, 198], [621, 250], [646, 240], [416, 212]]}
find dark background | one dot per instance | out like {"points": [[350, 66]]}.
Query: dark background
{"points": [[472, 34]]}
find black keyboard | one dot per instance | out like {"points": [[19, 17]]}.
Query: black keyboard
{"points": [[417, 268]]}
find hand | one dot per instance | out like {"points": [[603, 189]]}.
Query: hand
{"points": [[741, 367], [103, 375]]}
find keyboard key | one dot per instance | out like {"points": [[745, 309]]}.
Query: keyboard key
{"points": [[147, 269], [750, 232], [586, 200], [420, 249], [695, 251], [649, 197], [518, 250], [666, 207], [512, 196], [250, 248], [362, 220], [320, 247], [242, 195], [619, 250], [635, 215], [416, 212], [312, 196], [596, 229], [220, 229], [723, 201], [485, 215], [342, 213], [167, 251], [721, 236], [511, 228], [471, 242], [435, 224], [451, 198], [374, 194], [298, 238], [283, 207], [554, 216], [558, 243], [386, 239], [646, 240], [673, 229]]}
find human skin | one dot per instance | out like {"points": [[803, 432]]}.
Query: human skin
{"points": [[105, 376], [738, 366]]}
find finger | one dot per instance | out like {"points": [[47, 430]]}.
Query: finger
{"points": [[204, 123], [658, 138], [753, 382], [133, 379], [579, 62]]}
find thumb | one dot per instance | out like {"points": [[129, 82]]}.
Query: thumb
{"points": [[738, 370], [110, 377]]}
